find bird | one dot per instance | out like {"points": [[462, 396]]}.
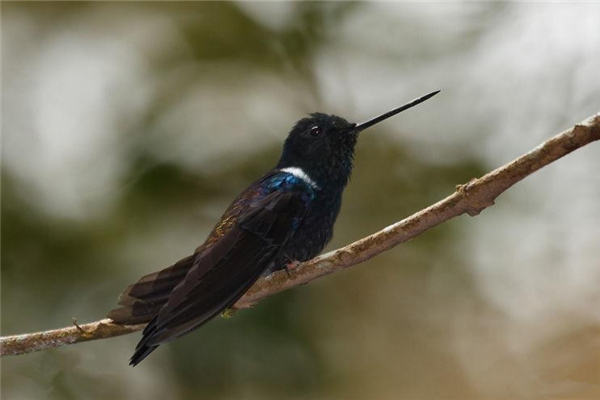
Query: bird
{"points": [[283, 218]]}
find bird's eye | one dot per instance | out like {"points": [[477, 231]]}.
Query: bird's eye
{"points": [[316, 131]]}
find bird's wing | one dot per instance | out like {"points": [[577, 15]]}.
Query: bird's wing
{"points": [[223, 272], [141, 301]]}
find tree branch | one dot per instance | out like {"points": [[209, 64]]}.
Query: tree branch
{"points": [[471, 198]]}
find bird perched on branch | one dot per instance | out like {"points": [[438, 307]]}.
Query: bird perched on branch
{"points": [[284, 217]]}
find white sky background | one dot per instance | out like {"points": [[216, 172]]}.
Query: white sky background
{"points": [[67, 99]]}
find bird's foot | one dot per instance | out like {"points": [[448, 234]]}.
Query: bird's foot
{"points": [[290, 266], [228, 313]]}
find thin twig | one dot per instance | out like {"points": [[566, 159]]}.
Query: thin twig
{"points": [[30, 342], [470, 198]]}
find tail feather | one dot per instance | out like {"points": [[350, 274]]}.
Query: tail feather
{"points": [[143, 349], [141, 301], [140, 354]]}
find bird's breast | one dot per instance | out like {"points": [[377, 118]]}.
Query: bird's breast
{"points": [[314, 233]]}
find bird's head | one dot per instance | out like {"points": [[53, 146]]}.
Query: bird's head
{"points": [[322, 145]]}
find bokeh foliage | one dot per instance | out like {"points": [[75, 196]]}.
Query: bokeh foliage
{"points": [[416, 322]]}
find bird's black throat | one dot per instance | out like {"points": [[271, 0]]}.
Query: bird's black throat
{"points": [[322, 146]]}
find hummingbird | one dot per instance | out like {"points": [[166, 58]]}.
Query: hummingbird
{"points": [[283, 218]]}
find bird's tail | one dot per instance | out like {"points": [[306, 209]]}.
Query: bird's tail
{"points": [[140, 354], [141, 301], [143, 349]]}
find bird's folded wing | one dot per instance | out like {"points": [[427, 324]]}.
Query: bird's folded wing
{"points": [[221, 274]]}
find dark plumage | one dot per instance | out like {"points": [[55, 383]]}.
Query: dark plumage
{"points": [[287, 215]]}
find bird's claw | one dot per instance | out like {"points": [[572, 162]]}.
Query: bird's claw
{"points": [[290, 266]]}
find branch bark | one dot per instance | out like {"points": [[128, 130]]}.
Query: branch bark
{"points": [[470, 198]]}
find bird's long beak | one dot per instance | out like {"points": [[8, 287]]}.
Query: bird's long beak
{"points": [[361, 127]]}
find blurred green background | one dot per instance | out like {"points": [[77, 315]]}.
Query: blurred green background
{"points": [[127, 128]]}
